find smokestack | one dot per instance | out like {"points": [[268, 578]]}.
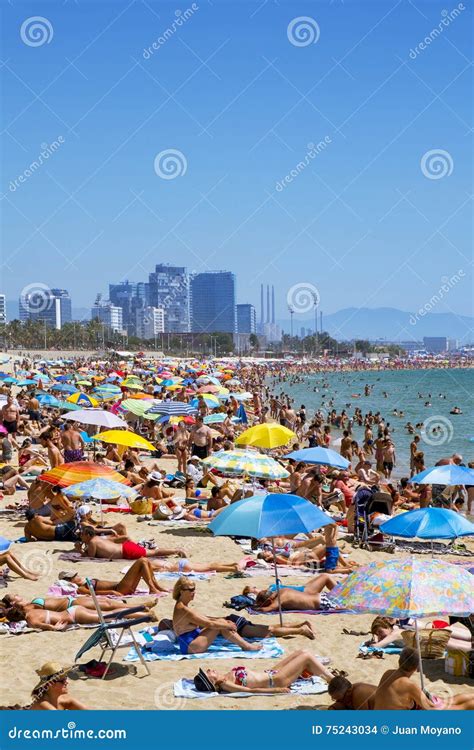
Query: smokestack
{"points": [[261, 305], [321, 321], [268, 304], [273, 304]]}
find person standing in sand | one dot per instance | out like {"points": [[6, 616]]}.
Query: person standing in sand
{"points": [[72, 443], [200, 439]]}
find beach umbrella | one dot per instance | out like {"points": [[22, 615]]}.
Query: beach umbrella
{"points": [[449, 474], [408, 588], [271, 435], [79, 471], [428, 523], [83, 382], [318, 455], [172, 409], [46, 399], [100, 489], [240, 462], [97, 417], [67, 406], [215, 418], [23, 383], [10, 381], [271, 515], [64, 388], [135, 406], [211, 401], [83, 399], [64, 378], [125, 438]]}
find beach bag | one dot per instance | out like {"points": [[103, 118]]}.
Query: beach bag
{"points": [[433, 642], [162, 512], [457, 663], [142, 506]]}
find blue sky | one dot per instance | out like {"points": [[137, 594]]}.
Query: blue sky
{"points": [[361, 221]]}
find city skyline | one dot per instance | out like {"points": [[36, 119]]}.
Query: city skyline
{"points": [[305, 162]]}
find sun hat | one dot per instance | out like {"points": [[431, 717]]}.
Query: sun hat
{"points": [[67, 575], [155, 476], [50, 673], [84, 510], [203, 684]]}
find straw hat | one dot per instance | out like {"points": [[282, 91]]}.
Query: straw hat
{"points": [[49, 673]]}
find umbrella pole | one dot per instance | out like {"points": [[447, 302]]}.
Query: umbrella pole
{"points": [[420, 661], [277, 581]]}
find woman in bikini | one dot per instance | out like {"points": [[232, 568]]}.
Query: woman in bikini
{"points": [[196, 632], [299, 665], [46, 619], [62, 603], [386, 631], [141, 570], [14, 564], [180, 441]]}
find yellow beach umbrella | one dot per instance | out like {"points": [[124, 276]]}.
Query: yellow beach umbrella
{"points": [[82, 399], [271, 435], [125, 438]]}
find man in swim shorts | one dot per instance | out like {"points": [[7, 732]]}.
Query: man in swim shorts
{"points": [[118, 547]]}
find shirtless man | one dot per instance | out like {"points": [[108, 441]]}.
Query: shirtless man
{"points": [[346, 446], [42, 529], [351, 697], [73, 444], [200, 439], [389, 458], [312, 598], [33, 407], [118, 547], [396, 691], [54, 454], [10, 415]]}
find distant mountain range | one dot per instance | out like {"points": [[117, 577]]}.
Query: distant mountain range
{"points": [[387, 323]]}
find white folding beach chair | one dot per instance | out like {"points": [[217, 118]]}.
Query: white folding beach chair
{"points": [[110, 632]]}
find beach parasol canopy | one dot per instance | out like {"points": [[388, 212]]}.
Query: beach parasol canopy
{"points": [[449, 474], [96, 417], [209, 399], [100, 489], [269, 516], [318, 455], [428, 523], [250, 463], [123, 437], [172, 409], [46, 399], [64, 388], [82, 399], [79, 471], [271, 435]]}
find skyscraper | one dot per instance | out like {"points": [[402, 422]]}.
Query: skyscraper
{"points": [[108, 314], [3, 309], [50, 306], [131, 297], [168, 288], [150, 321], [213, 302], [246, 319]]}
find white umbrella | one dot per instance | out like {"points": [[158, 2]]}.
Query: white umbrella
{"points": [[98, 417]]}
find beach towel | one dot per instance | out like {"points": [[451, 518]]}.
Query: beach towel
{"points": [[428, 548], [169, 576], [77, 557], [334, 611], [66, 588], [390, 649], [312, 686], [164, 647]]}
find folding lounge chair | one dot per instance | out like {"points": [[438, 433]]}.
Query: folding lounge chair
{"points": [[103, 637]]}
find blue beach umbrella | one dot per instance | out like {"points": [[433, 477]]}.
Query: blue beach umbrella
{"points": [[449, 474], [64, 388], [428, 523], [269, 516], [47, 399], [318, 455]]}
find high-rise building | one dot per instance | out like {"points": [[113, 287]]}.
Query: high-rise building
{"points": [[149, 322], [246, 319], [49, 306], [435, 344], [131, 297], [108, 314], [213, 302], [3, 309], [168, 289]]}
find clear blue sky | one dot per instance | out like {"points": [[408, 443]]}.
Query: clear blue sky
{"points": [[361, 222]]}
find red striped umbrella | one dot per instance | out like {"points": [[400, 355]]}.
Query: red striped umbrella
{"points": [[80, 471]]}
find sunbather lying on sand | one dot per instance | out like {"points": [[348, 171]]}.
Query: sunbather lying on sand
{"points": [[119, 547], [386, 633], [396, 691], [301, 557], [12, 562], [141, 569], [312, 598], [241, 679], [62, 603], [46, 619], [248, 629], [196, 632]]}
